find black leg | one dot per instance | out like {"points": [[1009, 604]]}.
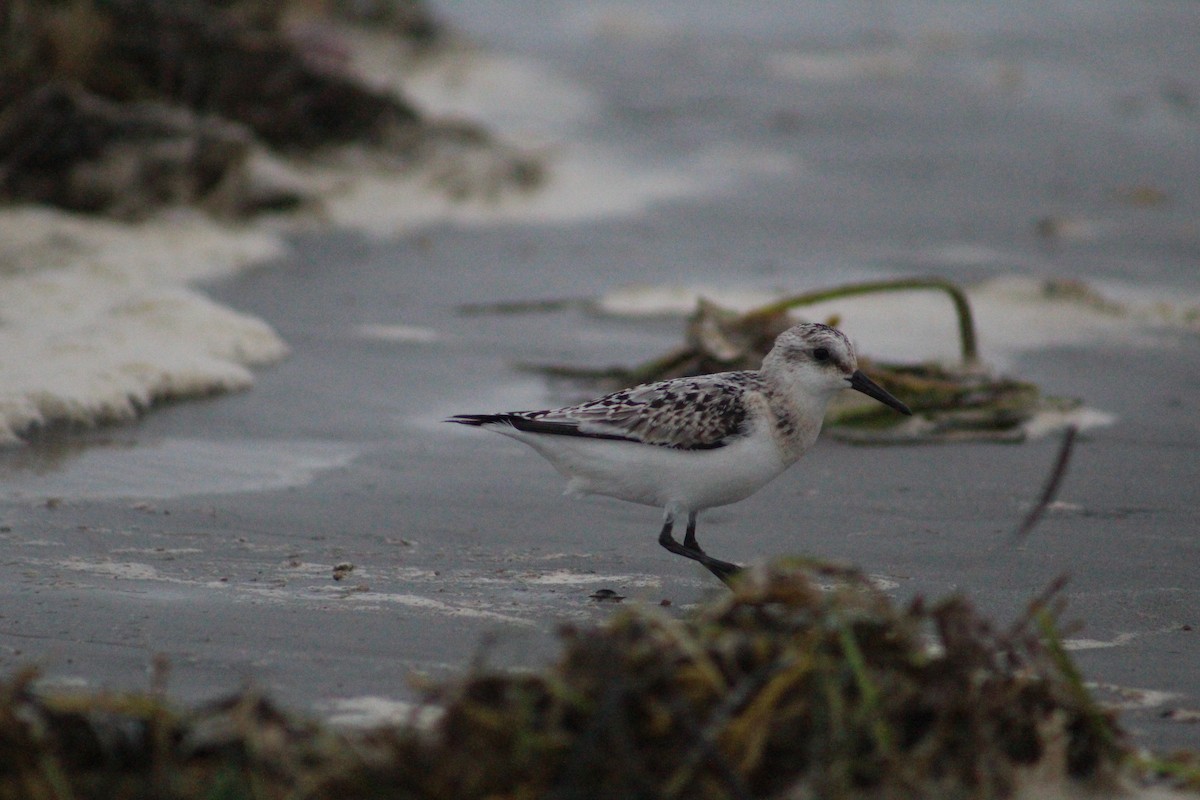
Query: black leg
{"points": [[689, 539], [722, 569]]}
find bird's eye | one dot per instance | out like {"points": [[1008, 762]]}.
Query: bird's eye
{"points": [[821, 354]]}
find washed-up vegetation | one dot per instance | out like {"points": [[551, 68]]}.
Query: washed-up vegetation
{"points": [[963, 401], [123, 107], [804, 681]]}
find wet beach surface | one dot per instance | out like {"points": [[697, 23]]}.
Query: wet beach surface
{"points": [[209, 531]]}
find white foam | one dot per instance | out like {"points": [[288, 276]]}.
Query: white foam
{"points": [[120, 570], [1049, 421], [97, 321], [647, 300], [1128, 698], [384, 599], [370, 711], [566, 577], [513, 96], [519, 100], [883, 583], [178, 246], [583, 181], [160, 552], [842, 66], [411, 334], [1120, 640]]}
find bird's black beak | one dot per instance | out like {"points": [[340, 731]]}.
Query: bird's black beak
{"points": [[861, 383]]}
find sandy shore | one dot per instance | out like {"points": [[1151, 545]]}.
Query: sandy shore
{"points": [[209, 531]]}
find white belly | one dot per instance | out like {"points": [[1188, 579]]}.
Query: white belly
{"points": [[660, 476]]}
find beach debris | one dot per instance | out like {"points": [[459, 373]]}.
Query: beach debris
{"points": [[1179, 770], [606, 596], [1188, 715], [959, 402], [804, 681], [70, 148], [1080, 293], [1054, 228], [124, 107], [1141, 195], [235, 61], [1050, 489]]}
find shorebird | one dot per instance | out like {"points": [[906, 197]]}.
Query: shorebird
{"points": [[688, 444]]}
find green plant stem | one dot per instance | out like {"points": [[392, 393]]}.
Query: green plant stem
{"points": [[966, 320]]}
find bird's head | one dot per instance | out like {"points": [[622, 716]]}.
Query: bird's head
{"points": [[820, 360]]}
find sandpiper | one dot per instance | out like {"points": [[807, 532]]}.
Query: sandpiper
{"points": [[688, 444]]}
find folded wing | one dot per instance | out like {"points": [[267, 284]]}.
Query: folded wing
{"points": [[699, 413]]}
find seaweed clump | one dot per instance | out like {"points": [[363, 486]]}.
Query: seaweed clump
{"points": [[123, 107], [805, 681], [783, 689]]}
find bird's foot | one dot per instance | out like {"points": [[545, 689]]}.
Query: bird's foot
{"points": [[691, 549], [722, 569]]}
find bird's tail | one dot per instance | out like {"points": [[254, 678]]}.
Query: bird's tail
{"points": [[475, 420]]}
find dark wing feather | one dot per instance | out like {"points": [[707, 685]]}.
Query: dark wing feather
{"points": [[526, 421], [698, 413]]}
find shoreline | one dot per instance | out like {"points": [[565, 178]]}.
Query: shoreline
{"points": [[136, 541]]}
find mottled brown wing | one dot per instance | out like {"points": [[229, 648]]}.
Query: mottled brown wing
{"points": [[698, 413]]}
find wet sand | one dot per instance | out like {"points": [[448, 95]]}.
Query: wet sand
{"points": [[125, 543], [462, 544]]}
